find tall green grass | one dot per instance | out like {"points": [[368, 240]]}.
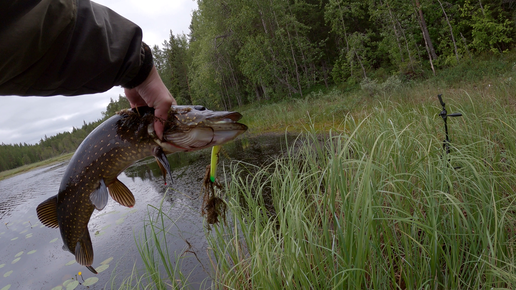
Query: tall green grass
{"points": [[377, 205], [162, 268]]}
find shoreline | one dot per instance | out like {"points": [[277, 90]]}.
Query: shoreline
{"points": [[26, 168]]}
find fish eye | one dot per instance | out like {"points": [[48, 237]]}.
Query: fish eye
{"points": [[199, 108]]}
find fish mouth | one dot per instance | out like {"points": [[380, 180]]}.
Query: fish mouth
{"points": [[203, 130]]}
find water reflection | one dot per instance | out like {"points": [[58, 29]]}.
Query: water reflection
{"points": [[256, 150]]}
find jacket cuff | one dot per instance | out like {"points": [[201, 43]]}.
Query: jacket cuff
{"points": [[146, 67]]}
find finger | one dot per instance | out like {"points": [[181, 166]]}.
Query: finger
{"points": [[158, 128], [134, 98], [161, 113]]}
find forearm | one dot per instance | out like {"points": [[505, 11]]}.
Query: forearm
{"points": [[68, 48]]}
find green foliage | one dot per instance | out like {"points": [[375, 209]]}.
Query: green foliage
{"points": [[115, 106], [241, 52], [174, 67], [372, 87], [488, 31]]}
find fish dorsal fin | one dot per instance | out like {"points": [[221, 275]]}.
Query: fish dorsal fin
{"points": [[99, 197], [121, 194], [84, 251], [47, 212], [163, 164]]}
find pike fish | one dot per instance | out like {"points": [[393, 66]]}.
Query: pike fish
{"points": [[112, 147]]}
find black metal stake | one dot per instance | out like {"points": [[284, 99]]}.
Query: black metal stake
{"points": [[444, 115]]}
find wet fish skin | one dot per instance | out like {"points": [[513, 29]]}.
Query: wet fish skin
{"points": [[113, 146]]}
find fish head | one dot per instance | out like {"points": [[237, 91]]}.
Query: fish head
{"points": [[190, 128]]}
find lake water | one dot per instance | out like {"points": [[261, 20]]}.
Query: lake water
{"points": [[31, 255]]}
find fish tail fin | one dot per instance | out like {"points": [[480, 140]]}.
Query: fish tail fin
{"points": [[84, 251], [47, 212]]}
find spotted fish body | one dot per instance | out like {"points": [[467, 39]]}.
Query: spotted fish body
{"points": [[113, 146]]}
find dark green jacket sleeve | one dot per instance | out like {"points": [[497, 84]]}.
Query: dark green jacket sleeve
{"points": [[68, 47]]}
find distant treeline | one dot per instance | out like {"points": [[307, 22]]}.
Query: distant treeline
{"points": [[240, 52], [15, 155]]}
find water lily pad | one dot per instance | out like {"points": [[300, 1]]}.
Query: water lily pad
{"points": [[6, 287], [31, 252], [70, 263], [90, 281], [1, 266], [106, 213], [57, 288], [19, 254], [14, 239], [15, 260], [106, 261], [130, 212], [28, 235], [119, 221], [8, 273], [102, 268], [54, 240], [72, 285], [99, 233], [105, 227]]}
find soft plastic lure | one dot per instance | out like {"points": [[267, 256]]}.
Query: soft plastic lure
{"points": [[214, 160]]}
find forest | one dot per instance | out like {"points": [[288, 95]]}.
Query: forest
{"points": [[243, 52]]}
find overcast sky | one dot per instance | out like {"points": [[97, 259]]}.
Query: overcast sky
{"points": [[28, 119]]}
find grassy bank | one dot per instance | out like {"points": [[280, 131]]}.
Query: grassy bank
{"points": [[376, 205], [12, 172]]}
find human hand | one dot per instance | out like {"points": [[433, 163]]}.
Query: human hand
{"points": [[153, 93]]}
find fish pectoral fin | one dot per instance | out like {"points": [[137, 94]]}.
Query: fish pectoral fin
{"points": [[121, 194], [99, 197], [47, 212], [163, 164], [84, 251]]}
